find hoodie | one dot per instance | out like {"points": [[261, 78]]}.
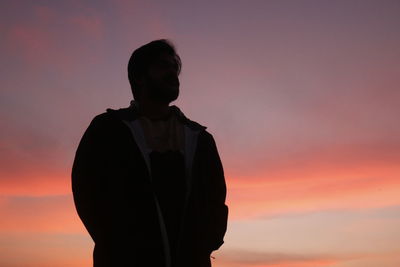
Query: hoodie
{"points": [[115, 196]]}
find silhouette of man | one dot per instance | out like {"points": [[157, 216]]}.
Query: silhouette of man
{"points": [[147, 182]]}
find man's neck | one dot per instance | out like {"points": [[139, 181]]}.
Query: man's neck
{"points": [[154, 110]]}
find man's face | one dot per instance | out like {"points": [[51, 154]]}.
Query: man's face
{"points": [[161, 81]]}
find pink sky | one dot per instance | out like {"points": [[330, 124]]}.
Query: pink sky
{"points": [[302, 98]]}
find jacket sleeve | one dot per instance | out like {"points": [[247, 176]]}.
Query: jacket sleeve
{"points": [[216, 195], [89, 180]]}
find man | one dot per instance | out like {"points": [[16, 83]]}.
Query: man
{"points": [[148, 183]]}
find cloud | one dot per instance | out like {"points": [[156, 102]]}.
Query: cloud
{"points": [[266, 259], [32, 162], [45, 250], [56, 38], [50, 214], [89, 25], [243, 258], [335, 178]]}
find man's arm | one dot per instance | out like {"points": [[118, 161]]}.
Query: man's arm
{"points": [[88, 180], [216, 195]]}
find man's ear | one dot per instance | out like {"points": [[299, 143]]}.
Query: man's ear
{"points": [[139, 81]]}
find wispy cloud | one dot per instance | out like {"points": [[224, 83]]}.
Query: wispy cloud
{"points": [[268, 259], [54, 214], [339, 179]]}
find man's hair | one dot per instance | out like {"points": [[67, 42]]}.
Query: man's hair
{"points": [[144, 56]]}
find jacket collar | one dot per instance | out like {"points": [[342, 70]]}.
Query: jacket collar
{"points": [[132, 113]]}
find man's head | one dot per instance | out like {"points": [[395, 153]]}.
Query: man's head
{"points": [[153, 71]]}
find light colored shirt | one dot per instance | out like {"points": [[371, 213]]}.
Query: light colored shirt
{"points": [[164, 134]]}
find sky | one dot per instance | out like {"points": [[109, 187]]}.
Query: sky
{"points": [[302, 98]]}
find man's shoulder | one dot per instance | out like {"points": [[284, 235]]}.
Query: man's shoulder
{"points": [[102, 120], [194, 125], [111, 116], [107, 121]]}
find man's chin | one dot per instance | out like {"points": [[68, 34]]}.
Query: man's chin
{"points": [[165, 99], [169, 100], [165, 95], [172, 95]]}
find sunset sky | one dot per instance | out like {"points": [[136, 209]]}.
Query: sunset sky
{"points": [[302, 97]]}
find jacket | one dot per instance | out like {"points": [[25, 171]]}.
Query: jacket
{"points": [[114, 197]]}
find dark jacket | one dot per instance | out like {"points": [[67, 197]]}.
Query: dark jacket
{"points": [[115, 199]]}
